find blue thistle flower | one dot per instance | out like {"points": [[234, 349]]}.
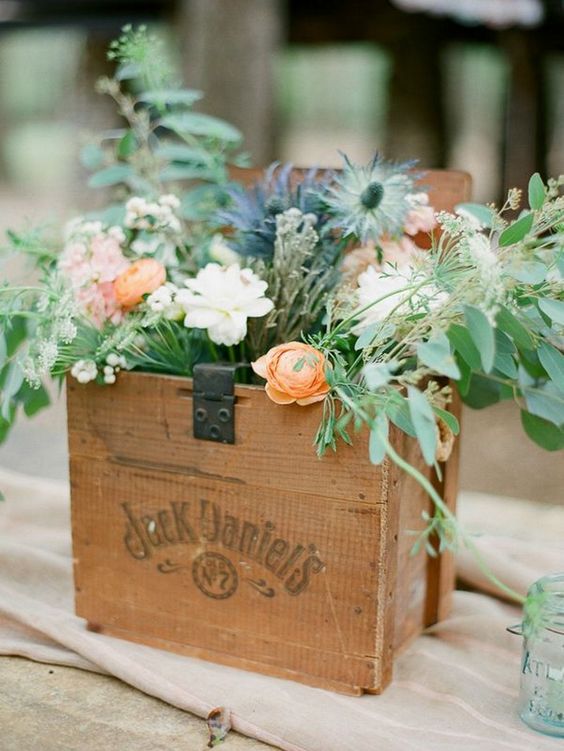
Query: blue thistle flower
{"points": [[372, 200], [252, 211]]}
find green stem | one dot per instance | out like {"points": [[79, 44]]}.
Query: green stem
{"points": [[213, 350], [354, 316], [447, 513]]}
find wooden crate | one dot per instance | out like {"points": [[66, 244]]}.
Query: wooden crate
{"points": [[258, 554]]}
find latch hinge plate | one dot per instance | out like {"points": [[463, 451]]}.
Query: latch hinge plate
{"points": [[214, 402]]}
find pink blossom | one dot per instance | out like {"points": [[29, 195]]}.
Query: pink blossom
{"points": [[106, 259], [91, 262], [97, 302], [421, 218]]}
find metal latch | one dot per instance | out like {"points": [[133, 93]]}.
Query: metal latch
{"points": [[214, 402]]}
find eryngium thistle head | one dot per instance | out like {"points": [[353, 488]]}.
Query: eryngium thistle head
{"points": [[252, 211], [370, 201]]}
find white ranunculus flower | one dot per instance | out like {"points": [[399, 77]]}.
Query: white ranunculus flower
{"points": [[373, 285], [220, 299]]}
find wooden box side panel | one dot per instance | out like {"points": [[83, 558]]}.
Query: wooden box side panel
{"points": [[134, 574]]}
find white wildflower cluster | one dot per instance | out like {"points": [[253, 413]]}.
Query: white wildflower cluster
{"points": [[47, 352], [163, 301], [459, 224], [153, 216], [80, 228], [476, 251], [295, 241], [293, 220], [84, 371]]}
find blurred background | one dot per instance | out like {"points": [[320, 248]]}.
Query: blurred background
{"points": [[467, 84]]}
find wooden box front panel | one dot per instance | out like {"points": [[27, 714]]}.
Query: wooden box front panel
{"points": [[256, 554]]}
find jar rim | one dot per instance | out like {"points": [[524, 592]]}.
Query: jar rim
{"points": [[545, 602]]}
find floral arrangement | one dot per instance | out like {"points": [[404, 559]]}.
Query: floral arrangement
{"points": [[346, 288]]}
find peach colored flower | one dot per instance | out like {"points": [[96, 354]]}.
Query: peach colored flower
{"points": [[294, 372], [358, 260], [421, 218], [141, 278], [400, 252]]}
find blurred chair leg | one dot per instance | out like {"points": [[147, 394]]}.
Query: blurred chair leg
{"points": [[525, 133], [228, 51], [416, 122]]}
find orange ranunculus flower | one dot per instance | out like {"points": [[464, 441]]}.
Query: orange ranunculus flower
{"points": [[294, 372], [141, 278]]}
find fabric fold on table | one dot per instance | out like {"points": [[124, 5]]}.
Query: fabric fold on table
{"points": [[456, 686]]}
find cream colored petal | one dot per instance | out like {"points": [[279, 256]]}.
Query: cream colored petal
{"points": [[279, 397], [311, 399], [259, 366]]}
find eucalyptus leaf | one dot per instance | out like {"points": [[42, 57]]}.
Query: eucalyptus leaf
{"points": [[33, 400], [544, 433], [376, 441], [463, 383], [482, 392], [397, 409], [436, 354], [483, 335], [3, 350], [178, 152], [504, 355], [462, 343], [378, 374], [186, 172], [552, 361], [117, 173], [528, 272], [196, 123], [127, 71], [423, 419], [112, 214], [127, 145], [448, 418], [536, 192], [482, 213], [512, 326], [367, 335], [545, 401], [12, 384], [517, 230], [91, 156], [554, 309], [188, 97]]}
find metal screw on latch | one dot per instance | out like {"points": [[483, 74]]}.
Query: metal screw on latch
{"points": [[201, 414]]}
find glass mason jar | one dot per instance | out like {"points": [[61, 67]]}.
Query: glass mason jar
{"points": [[541, 697]]}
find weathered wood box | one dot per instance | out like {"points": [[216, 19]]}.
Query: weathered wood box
{"points": [[257, 554]]}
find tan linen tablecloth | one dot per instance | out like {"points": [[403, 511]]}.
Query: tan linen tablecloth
{"points": [[454, 688]]}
